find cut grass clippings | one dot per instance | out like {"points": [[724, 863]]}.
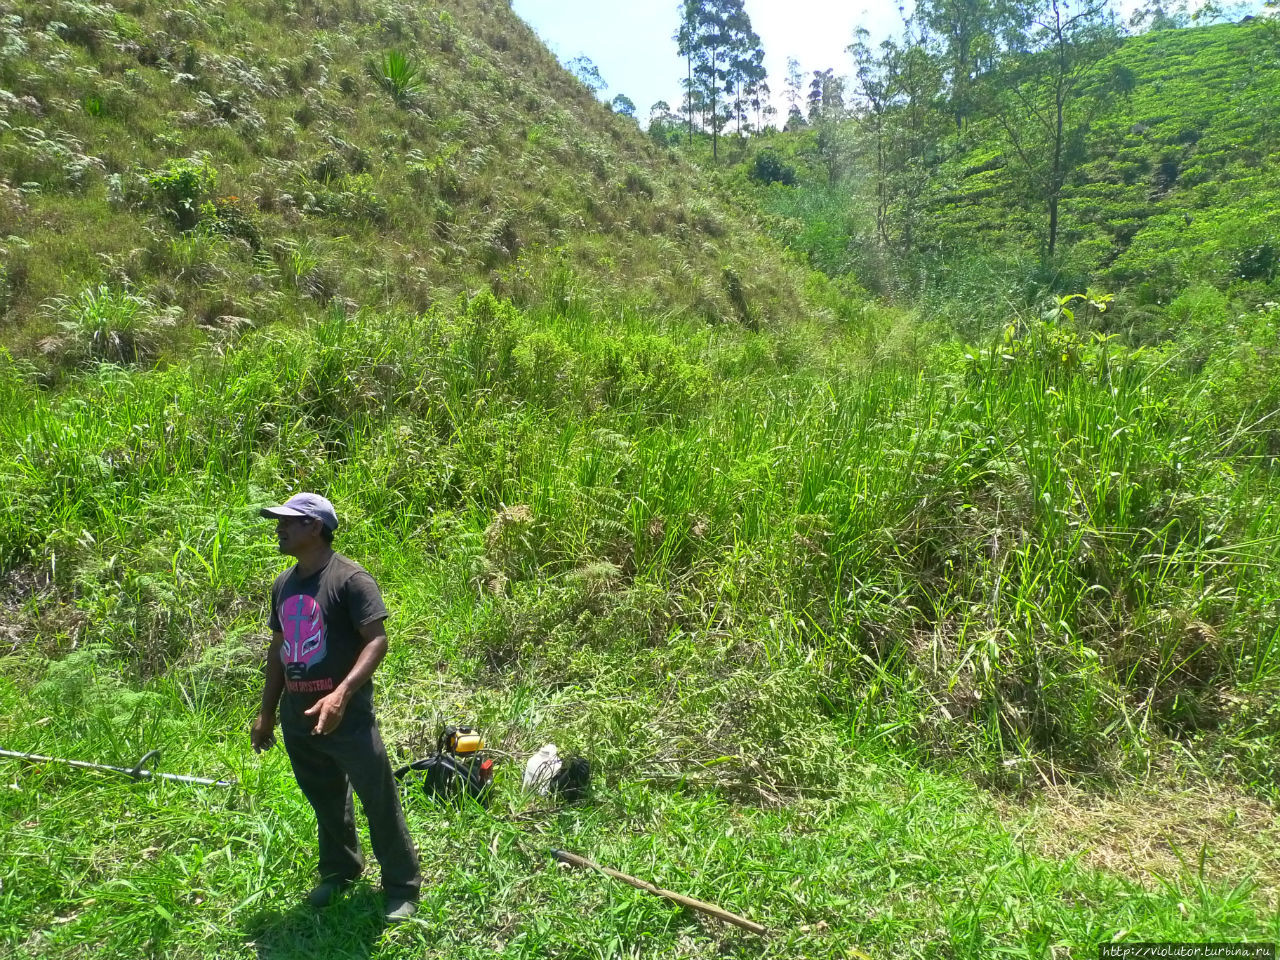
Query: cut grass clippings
{"points": [[1156, 832]]}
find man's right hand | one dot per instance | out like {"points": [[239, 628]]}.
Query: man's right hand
{"points": [[262, 735]]}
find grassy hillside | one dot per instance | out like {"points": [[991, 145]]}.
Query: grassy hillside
{"points": [[230, 164], [898, 646]]}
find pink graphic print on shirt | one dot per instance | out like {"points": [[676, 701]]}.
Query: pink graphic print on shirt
{"points": [[304, 637]]}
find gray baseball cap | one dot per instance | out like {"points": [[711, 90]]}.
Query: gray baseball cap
{"points": [[305, 505]]}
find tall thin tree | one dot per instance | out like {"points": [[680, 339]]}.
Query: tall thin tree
{"points": [[1046, 104], [688, 44]]}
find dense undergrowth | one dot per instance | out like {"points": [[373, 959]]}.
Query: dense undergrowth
{"points": [[750, 568], [1044, 548]]}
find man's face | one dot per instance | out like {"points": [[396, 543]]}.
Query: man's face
{"points": [[297, 534]]}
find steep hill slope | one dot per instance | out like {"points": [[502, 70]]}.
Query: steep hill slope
{"points": [[230, 163]]}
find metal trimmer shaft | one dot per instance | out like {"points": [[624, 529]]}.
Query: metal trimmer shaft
{"points": [[136, 772]]}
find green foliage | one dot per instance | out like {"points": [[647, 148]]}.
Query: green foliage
{"points": [[180, 185], [107, 324], [1257, 261], [823, 226], [231, 216], [562, 444], [588, 74], [638, 182], [399, 75], [767, 167], [303, 267], [351, 196], [623, 106]]}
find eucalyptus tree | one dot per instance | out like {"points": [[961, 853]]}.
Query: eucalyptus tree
{"points": [[764, 110], [826, 116], [686, 38], [588, 73], [971, 35], [898, 99], [875, 75], [723, 59], [1047, 96], [1160, 15], [794, 89], [746, 73], [826, 95]]}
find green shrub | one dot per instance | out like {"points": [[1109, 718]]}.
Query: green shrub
{"points": [[180, 186], [438, 173], [328, 168], [1198, 311], [638, 183], [349, 197], [106, 324], [1241, 374], [304, 268], [1258, 261], [231, 217], [768, 167]]}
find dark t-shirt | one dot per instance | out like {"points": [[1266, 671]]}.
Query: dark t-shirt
{"points": [[320, 617]]}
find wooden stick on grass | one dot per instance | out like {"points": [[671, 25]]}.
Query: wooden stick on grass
{"points": [[564, 856]]}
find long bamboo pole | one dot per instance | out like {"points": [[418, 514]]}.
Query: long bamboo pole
{"points": [[564, 856]]}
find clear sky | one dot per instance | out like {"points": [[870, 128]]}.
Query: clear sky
{"points": [[631, 40]]}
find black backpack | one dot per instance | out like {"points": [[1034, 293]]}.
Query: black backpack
{"points": [[572, 782]]}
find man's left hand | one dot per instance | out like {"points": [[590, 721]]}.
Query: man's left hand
{"points": [[328, 712]]}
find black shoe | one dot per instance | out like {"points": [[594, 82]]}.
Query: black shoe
{"points": [[326, 891], [399, 910]]}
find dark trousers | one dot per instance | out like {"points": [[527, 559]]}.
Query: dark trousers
{"points": [[327, 767]]}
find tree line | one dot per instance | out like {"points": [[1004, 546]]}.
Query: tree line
{"points": [[1026, 69], [725, 81]]}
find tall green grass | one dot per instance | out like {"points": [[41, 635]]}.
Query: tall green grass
{"points": [[1018, 552]]}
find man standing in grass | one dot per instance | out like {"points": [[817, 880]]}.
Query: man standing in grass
{"points": [[327, 639]]}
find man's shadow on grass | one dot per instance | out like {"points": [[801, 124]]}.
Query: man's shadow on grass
{"points": [[346, 930]]}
